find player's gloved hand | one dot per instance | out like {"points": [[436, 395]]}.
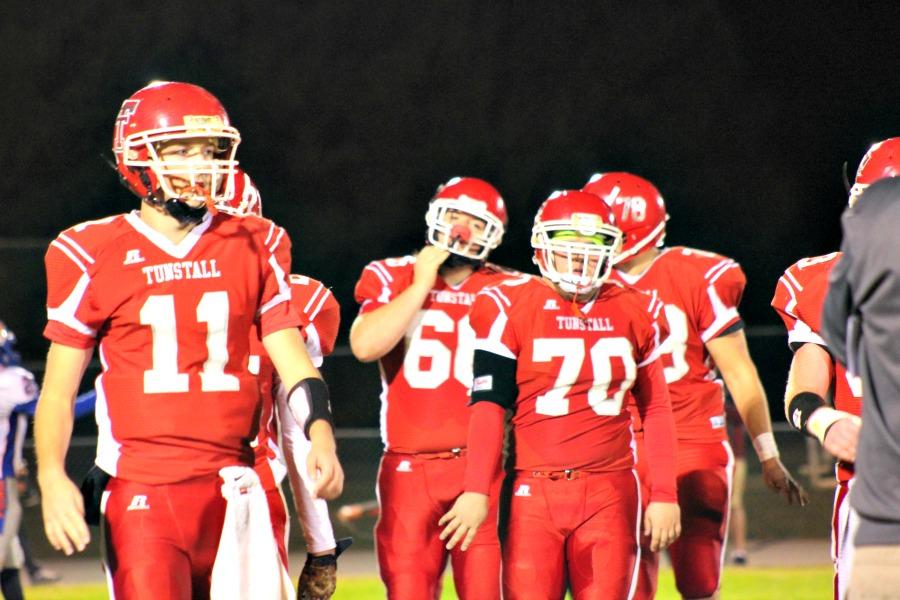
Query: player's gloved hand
{"points": [[842, 437], [662, 524], [318, 580], [63, 510], [92, 487], [463, 519], [428, 261], [322, 464], [778, 479]]}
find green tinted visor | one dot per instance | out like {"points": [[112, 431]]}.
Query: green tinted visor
{"points": [[567, 234]]}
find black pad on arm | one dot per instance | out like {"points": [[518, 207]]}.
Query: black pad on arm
{"points": [[494, 379]]}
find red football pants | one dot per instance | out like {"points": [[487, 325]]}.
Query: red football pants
{"points": [[161, 540], [582, 530], [705, 471], [414, 493]]}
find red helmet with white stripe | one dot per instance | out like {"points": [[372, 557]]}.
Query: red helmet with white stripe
{"points": [[638, 207], [244, 198], [575, 240], [882, 160], [474, 197], [163, 112]]}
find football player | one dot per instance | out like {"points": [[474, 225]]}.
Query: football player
{"points": [[700, 292], [822, 400], [561, 352], [321, 316], [414, 320], [169, 294]]}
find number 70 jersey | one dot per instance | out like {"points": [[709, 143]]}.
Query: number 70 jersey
{"points": [[175, 398], [426, 377]]}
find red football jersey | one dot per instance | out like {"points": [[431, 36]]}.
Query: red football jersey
{"points": [[426, 377], [701, 292], [799, 296], [321, 316], [572, 371], [174, 399]]}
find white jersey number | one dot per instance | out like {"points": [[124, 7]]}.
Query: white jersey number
{"points": [[159, 313], [442, 360], [572, 351], [676, 344]]}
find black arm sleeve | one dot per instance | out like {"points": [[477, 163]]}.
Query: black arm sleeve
{"points": [[494, 379]]}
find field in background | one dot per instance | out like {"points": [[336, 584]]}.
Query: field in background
{"points": [[740, 584]]}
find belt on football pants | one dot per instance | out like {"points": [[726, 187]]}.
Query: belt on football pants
{"points": [[568, 474], [445, 455]]}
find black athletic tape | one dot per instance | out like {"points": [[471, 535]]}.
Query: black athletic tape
{"points": [[494, 379], [801, 407], [316, 393]]}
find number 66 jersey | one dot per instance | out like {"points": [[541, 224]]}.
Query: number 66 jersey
{"points": [[175, 399], [426, 377]]}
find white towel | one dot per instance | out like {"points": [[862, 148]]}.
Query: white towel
{"points": [[247, 563]]}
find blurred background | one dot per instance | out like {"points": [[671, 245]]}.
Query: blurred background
{"points": [[352, 113]]}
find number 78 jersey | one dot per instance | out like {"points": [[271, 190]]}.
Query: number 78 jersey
{"points": [[175, 398], [426, 377], [700, 292]]}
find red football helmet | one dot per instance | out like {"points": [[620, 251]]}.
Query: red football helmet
{"points": [[579, 227], [638, 207], [165, 111], [881, 161], [474, 197], [244, 199]]}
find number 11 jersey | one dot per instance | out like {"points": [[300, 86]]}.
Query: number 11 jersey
{"points": [[175, 399], [426, 377]]}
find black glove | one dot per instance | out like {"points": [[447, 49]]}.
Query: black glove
{"points": [[318, 580], [92, 488]]}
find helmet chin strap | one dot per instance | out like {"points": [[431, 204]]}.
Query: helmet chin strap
{"points": [[176, 208], [458, 260]]}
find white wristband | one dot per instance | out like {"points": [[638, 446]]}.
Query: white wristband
{"points": [[823, 418], [765, 446]]}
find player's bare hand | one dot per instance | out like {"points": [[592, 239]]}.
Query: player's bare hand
{"points": [[63, 509], [842, 437], [662, 523], [778, 479], [322, 464], [463, 520], [428, 261]]}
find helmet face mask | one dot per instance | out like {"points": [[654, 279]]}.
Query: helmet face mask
{"points": [[467, 217], [638, 207], [575, 241], [168, 114]]}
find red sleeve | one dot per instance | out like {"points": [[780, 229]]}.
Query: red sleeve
{"points": [[327, 323], [72, 318], [485, 447], [275, 310], [720, 297], [489, 321], [655, 408], [373, 288]]}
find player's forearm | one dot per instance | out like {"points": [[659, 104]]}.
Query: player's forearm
{"points": [[750, 400], [290, 357], [655, 408], [485, 447], [55, 415], [374, 334], [53, 423]]}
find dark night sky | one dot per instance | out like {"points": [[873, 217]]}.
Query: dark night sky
{"points": [[352, 113]]}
